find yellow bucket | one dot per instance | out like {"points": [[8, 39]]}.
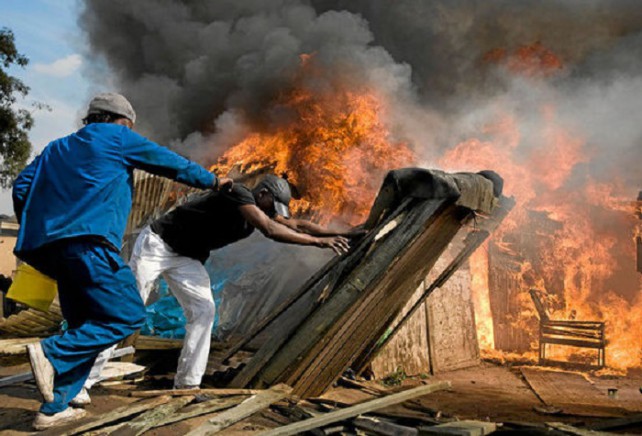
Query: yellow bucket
{"points": [[33, 288]]}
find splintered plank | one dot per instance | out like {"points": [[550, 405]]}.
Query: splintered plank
{"points": [[204, 408], [571, 392], [246, 408], [151, 418], [118, 414], [350, 412]]}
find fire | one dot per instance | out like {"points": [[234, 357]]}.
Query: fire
{"points": [[481, 300], [568, 234], [333, 146], [573, 235], [533, 60]]}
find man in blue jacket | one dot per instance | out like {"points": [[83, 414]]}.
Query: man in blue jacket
{"points": [[72, 203]]}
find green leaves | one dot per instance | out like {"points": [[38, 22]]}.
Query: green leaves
{"points": [[15, 147]]}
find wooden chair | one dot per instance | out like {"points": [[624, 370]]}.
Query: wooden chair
{"points": [[584, 334]]}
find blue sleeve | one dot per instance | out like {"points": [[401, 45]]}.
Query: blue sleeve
{"points": [[21, 187], [141, 153]]}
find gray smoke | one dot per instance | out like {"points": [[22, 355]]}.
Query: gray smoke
{"points": [[200, 74]]}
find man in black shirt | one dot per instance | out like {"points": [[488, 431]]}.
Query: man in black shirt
{"points": [[177, 245]]}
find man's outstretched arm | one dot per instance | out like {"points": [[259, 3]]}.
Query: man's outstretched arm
{"points": [[281, 233], [139, 152], [305, 226]]}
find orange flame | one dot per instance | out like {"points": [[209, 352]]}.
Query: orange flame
{"points": [[532, 60], [334, 147], [587, 249]]}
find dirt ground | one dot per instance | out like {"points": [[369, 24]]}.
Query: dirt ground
{"points": [[489, 392]]}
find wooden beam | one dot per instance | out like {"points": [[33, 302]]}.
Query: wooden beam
{"points": [[179, 392], [118, 414], [151, 418], [243, 410], [350, 412]]}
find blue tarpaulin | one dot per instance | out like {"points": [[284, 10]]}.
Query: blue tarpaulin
{"points": [[249, 279]]}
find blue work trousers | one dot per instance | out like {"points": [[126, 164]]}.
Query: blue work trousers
{"points": [[99, 300]]}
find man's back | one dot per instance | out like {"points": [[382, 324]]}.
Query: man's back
{"points": [[82, 184], [206, 223]]}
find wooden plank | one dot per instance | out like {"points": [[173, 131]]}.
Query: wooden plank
{"points": [[151, 418], [571, 392], [574, 342], [118, 414], [559, 331], [204, 408], [14, 379], [569, 429], [129, 341], [452, 334], [16, 346], [309, 340], [243, 410], [180, 392], [350, 412], [154, 343], [407, 348], [576, 323], [360, 328], [616, 423], [460, 428], [381, 427], [119, 370]]}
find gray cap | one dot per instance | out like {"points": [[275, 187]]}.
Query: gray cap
{"points": [[114, 103], [280, 190]]}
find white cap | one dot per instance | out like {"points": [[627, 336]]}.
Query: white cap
{"points": [[114, 103]]}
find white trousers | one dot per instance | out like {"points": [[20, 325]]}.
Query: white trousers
{"points": [[189, 281]]}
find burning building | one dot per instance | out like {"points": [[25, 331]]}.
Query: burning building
{"points": [[334, 94]]}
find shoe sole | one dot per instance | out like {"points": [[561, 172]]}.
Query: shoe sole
{"points": [[37, 374], [61, 422]]}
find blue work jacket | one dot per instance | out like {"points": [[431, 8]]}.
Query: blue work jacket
{"points": [[81, 185]]}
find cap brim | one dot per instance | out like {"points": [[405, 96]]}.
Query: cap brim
{"points": [[281, 209]]}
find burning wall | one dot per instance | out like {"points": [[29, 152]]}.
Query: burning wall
{"points": [[335, 93]]}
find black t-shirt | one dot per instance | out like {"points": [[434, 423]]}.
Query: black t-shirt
{"points": [[206, 223]]}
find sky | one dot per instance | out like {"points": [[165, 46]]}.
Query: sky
{"points": [[46, 32]]}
